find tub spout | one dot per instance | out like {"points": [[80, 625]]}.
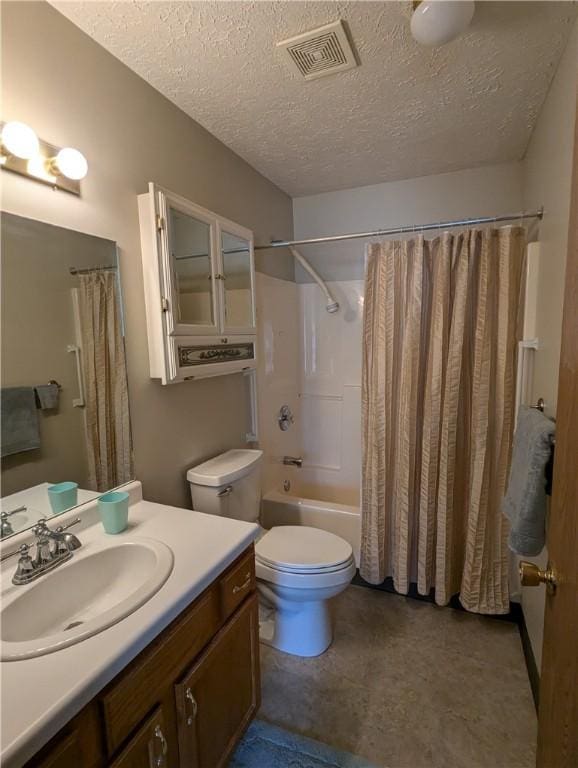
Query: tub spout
{"points": [[293, 461]]}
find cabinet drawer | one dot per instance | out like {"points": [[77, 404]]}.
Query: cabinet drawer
{"points": [[237, 583], [148, 748], [141, 687]]}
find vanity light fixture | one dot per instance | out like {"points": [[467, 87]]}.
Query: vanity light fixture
{"points": [[19, 139], [70, 163], [437, 22], [24, 153]]}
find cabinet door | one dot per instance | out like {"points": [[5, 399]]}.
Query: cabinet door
{"points": [[78, 744], [188, 259], [218, 697], [148, 748], [238, 279]]}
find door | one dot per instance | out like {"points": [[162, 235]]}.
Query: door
{"points": [[148, 748], [237, 279], [189, 255], [218, 697], [558, 715]]}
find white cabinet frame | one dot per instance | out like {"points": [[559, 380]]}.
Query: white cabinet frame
{"points": [[166, 334]]}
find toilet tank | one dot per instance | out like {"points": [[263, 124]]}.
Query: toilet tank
{"points": [[228, 485]]}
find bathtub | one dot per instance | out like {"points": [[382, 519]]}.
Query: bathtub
{"points": [[343, 520]]}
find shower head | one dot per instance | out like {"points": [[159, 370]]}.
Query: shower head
{"points": [[333, 307]]}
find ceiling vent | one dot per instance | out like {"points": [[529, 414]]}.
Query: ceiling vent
{"points": [[320, 52]]}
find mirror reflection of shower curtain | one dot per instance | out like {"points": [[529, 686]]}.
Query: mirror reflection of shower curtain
{"points": [[109, 446], [441, 325]]}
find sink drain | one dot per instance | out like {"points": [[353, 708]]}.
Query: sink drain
{"points": [[72, 625]]}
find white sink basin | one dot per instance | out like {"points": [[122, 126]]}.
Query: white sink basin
{"points": [[82, 597]]}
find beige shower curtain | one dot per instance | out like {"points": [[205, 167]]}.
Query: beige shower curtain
{"points": [[107, 414], [440, 330]]}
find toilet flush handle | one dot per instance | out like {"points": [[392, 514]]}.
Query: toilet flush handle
{"points": [[226, 491]]}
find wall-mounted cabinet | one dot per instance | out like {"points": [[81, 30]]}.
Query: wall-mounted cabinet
{"points": [[199, 276]]}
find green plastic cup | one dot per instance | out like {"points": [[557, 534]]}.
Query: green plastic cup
{"points": [[62, 496], [113, 509]]}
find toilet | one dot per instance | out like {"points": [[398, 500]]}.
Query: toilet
{"points": [[298, 568]]}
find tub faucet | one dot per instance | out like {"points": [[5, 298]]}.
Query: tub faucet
{"points": [[293, 461]]}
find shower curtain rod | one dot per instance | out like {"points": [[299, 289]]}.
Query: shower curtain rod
{"points": [[407, 229]]}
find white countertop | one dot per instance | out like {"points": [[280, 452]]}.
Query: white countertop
{"points": [[37, 504], [40, 695]]}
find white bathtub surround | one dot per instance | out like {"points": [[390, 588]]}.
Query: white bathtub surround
{"points": [[440, 426], [277, 367], [311, 360], [40, 695], [301, 365], [330, 393]]}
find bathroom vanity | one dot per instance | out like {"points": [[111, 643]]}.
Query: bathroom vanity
{"points": [[175, 683]]}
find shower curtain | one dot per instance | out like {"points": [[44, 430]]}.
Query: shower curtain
{"points": [[440, 327], [106, 412]]}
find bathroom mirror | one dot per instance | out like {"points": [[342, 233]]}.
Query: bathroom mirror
{"points": [[190, 247], [63, 438], [236, 252]]}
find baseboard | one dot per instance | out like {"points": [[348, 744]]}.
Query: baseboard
{"points": [[514, 615], [531, 666]]}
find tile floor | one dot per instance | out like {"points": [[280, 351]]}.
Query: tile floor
{"points": [[409, 685]]}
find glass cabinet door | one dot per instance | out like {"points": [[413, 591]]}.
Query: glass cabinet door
{"points": [[237, 260], [193, 280]]}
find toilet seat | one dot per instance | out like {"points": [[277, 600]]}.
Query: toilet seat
{"points": [[303, 557], [301, 549], [312, 580]]}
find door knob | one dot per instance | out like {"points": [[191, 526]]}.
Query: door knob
{"points": [[532, 576]]}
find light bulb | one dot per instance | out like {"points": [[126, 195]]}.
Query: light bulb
{"points": [[71, 163], [19, 139], [436, 22]]}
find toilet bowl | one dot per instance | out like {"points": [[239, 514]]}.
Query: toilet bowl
{"points": [[298, 569]]}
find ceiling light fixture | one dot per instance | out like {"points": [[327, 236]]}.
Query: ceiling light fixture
{"points": [[437, 22]]}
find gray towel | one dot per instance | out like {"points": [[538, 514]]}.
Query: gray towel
{"points": [[20, 430], [525, 501], [48, 395]]}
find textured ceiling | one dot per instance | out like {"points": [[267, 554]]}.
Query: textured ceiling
{"points": [[406, 111]]}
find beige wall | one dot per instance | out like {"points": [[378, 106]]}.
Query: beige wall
{"points": [[75, 93], [37, 325], [461, 194], [547, 182]]}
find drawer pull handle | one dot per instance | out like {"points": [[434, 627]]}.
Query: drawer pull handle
{"points": [[157, 761], [244, 585], [189, 697]]}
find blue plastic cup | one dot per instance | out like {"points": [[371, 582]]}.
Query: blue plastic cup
{"points": [[62, 496], [113, 509]]}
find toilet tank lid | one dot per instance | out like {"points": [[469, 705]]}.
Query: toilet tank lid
{"points": [[225, 468]]}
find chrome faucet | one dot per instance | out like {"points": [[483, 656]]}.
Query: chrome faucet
{"points": [[53, 547], [293, 461], [6, 528]]}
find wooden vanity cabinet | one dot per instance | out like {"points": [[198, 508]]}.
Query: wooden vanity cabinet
{"points": [[186, 700], [216, 699]]}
